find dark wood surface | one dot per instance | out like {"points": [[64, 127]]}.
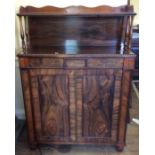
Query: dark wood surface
{"points": [[76, 10], [74, 34], [76, 29], [131, 148], [75, 71], [77, 102]]}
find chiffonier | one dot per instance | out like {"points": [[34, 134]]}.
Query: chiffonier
{"points": [[76, 69]]}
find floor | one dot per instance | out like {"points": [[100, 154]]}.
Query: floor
{"points": [[132, 146]]}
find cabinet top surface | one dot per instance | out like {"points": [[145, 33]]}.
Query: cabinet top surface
{"points": [[78, 55]]}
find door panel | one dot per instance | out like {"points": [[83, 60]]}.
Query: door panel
{"points": [[76, 106], [50, 95], [100, 104]]}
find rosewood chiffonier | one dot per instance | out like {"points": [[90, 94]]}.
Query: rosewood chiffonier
{"points": [[76, 71]]}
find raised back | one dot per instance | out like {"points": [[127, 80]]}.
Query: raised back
{"points": [[76, 29]]}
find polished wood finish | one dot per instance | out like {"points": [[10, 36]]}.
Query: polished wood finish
{"points": [[97, 30], [76, 10], [73, 103], [82, 35], [76, 74], [132, 146], [28, 107]]}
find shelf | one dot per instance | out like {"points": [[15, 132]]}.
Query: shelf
{"points": [[78, 15]]}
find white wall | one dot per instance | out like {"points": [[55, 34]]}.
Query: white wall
{"points": [[19, 107], [39, 3], [135, 3]]}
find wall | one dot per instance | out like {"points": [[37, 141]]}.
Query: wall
{"points": [[38, 3], [135, 3], [19, 107]]}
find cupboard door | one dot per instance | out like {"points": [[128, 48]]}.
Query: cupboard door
{"points": [[50, 98], [98, 100]]}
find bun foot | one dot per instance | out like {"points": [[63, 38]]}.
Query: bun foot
{"points": [[120, 148]]}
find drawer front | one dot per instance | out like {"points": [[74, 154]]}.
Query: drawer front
{"points": [[72, 62], [75, 63], [105, 63], [46, 62]]}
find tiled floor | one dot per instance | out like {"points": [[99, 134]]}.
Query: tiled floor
{"points": [[132, 146]]}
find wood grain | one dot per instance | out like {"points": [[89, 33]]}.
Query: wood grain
{"points": [[75, 9], [102, 27], [123, 111], [76, 73], [28, 108]]}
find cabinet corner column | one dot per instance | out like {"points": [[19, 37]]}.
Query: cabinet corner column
{"points": [[28, 108], [121, 136]]}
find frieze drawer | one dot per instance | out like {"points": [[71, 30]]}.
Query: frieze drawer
{"points": [[75, 63], [105, 63], [46, 62]]}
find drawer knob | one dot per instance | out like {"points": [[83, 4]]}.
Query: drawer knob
{"points": [[56, 53]]}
